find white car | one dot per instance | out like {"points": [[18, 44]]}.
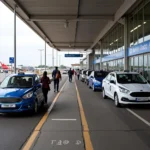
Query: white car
{"points": [[126, 88]]}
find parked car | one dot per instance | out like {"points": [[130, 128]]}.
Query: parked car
{"points": [[126, 88], [65, 72], [21, 92], [1, 71], [96, 78], [87, 76], [83, 75]]}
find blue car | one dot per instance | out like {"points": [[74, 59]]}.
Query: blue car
{"points": [[96, 78], [21, 92]]}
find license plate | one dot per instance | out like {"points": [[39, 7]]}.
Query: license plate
{"points": [[8, 106], [137, 99]]}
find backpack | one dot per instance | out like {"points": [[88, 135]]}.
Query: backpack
{"points": [[58, 75]]}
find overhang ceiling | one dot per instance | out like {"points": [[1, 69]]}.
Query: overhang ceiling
{"points": [[67, 24]]}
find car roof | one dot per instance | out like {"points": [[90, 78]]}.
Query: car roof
{"points": [[23, 74], [125, 72]]}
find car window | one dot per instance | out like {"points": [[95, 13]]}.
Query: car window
{"points": [[37, 80], [108, 77], [17, 82], [131, 78], [101, 74], [113, 77], [89, 72]]}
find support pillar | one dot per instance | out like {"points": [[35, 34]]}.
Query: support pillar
{"points": [[126, 43], [15, 39], [53, 57], [45, 54]]}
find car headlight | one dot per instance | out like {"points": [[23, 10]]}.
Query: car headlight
{"points": [[123, 90], [28, 95]]}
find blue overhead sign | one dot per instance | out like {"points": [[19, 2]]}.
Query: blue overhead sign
{"points": [[139, 49], [114, 56], [73, 55], [11, 60]]}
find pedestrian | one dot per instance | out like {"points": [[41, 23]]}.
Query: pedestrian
{"points": [[45, 85], [56, 75], [70, 73], [78, 74]]}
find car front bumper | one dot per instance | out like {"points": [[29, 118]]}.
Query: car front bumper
{"points": [[127, 99], [19, 107]]}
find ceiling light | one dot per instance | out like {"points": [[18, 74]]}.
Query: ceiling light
{"points": [[139, 26], [144, 22]]}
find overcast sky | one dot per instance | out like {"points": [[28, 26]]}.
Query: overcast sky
{"points": [[28, 43]]}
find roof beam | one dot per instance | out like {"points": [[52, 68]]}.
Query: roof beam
{"points": [[59, 18], [121, 11]]}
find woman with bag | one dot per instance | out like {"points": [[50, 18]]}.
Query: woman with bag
{"points": [[45, 85]]}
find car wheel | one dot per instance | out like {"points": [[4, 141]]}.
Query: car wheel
{"points": [[117, 104], [35, 110], [93, 88], [104, 96]]}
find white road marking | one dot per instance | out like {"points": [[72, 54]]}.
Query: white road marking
{"points": [[139, 117], [64, 119]]}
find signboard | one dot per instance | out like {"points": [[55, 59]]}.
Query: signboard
{"points": [[73, 55], [139, 49], [11, 60], [114, 56]]}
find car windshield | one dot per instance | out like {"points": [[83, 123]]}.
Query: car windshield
{"points": [[84, 72], [89, 72], [101, 74], [130, 78], [17, 82]]}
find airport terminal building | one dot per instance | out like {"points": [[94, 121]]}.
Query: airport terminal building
{"points": [[127, 44]]}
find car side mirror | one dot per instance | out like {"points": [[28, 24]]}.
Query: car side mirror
{"points": [[112, 81], [92, 77]]}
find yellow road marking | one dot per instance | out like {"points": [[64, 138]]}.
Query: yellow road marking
{"points": [[37, 129], [86, 135]]}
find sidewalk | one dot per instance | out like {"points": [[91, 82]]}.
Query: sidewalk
{"points": [[63, 129]]}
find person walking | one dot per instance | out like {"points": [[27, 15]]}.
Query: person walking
{"points": [[78, 74], [56, 75], [45, 85], [70, 73]]}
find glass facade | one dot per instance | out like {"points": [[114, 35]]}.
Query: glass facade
{"points": [[139, 32], [138, 36], [112, 43]]}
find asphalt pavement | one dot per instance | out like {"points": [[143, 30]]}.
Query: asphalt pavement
{"points": [[110, 128], [15, 129], [114, 128]]}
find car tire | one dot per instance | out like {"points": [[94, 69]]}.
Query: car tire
{"points": [[117, 104], [93, 87], [103, 92], [35, 110]]}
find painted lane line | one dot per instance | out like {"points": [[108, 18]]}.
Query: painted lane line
{"points": [[37, 129], [139, 117], [86, 134], [64, 119]]}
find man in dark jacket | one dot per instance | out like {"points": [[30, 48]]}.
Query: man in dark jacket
{"points": [[70, 73], [56, 75]]}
